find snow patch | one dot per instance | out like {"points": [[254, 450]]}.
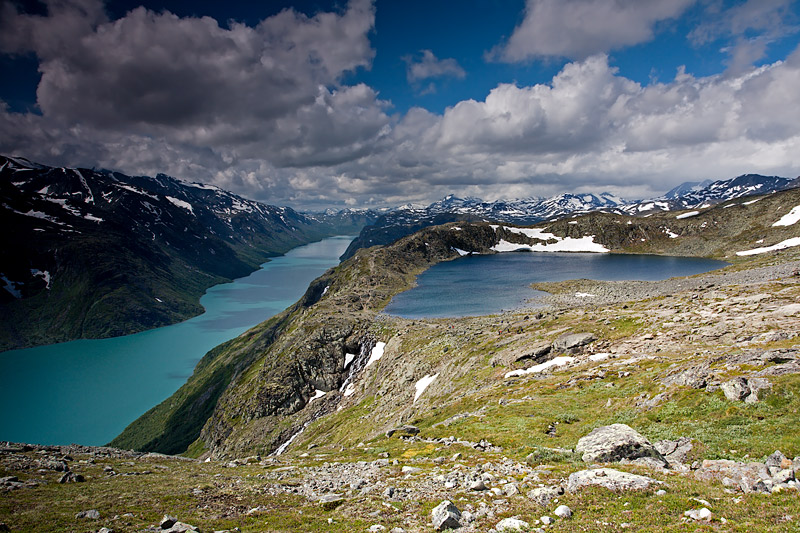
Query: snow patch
{"points": [[670, 234], [159, 300], [349, 358], [349, 390], [180, 203], [751, 202], [317, 395], [44, 274], [788, 243], [557, 361], [461, 252], [565, 244], [789, 218], [583, 295], [92, 218], [422, 384], [599, 356], [375, 355], [687, 215]]}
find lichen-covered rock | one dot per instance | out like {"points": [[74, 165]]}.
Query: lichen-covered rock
{"points": [[747, 477], [609, 478], [616, 442], [675, 451]]}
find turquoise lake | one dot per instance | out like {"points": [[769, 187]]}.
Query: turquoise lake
{"points": [[88, 391], [486, 284]]}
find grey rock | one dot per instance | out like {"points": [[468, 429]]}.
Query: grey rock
{"points": [[546, 520], [91, 514], [71, 477], [739, 388], [614, 443], [735, 389], [699, 514], [330, 501], [511, 524], [407, 430], [675, 451], [747, 477], [397, 530], [167, 521], [562, 511], [757, 385], [572, 341], [411, 470], [105, 530], [446, 515], [478, 485], [376, 528], [544, 495], [777, 460], [609, 478], [510, 489]]}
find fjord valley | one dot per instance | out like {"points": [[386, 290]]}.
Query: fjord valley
{"points": [[92, 254], [621, 404], [650, 405]]}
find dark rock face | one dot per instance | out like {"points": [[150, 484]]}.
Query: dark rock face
{"points": [[615, 443]]}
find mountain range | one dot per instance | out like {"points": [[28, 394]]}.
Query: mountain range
{"points": [[89, 254], [410, 218]]}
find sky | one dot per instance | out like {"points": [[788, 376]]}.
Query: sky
{"points": [[317, 104]]}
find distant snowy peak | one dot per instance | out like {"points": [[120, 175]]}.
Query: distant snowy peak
{"points": [[708, 193]]}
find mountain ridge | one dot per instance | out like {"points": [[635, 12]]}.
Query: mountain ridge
{"points": [[91, 254]]}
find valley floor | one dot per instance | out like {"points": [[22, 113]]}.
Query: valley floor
{"points": [[706, 368]]}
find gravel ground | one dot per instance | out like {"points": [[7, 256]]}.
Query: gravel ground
{"points": [[596, 293]]}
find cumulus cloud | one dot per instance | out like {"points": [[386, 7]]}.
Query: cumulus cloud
{"points": [[580, 28], [263, 111], [190, 81], [429, 66]]}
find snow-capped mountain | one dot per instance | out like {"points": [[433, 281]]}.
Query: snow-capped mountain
{"points": [[88, 253], [708, 193], [691, 195]]}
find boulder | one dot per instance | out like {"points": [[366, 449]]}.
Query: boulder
{"points": [[562, 511], [616, 442], [699, 514], [167, 521], [446, 516], [91, 514], [739, 388], [544, 495], [572, 341], [405, 430], [735, 389], [747, 477], [675, 451], [511, 524], [609, 478]]}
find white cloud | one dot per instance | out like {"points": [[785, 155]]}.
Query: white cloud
{"points": [[263, 111], [429, 66], [580, 28]]}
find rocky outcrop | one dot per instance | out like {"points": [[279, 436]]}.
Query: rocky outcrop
{"points": [[615, 443], [609, 478]]}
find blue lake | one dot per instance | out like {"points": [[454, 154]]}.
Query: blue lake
{"points": [[88, 391], [487, 284]]}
